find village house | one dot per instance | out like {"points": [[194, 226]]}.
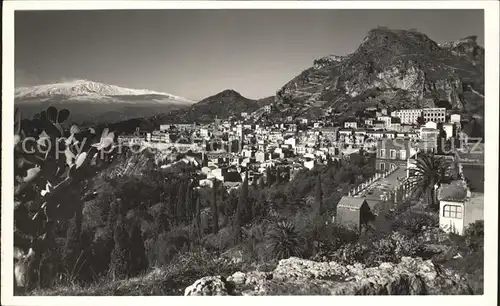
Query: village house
{"points": [[353, 213], [429, 139], [261, 156], [375, 134], [351, 124], [392, 153], [449, 129], [455, 118], [369, 122], [386, 119], [378, 125], [457, 208]]}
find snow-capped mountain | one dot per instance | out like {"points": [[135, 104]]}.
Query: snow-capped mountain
{"points": [[87, 89], [97, 102]]}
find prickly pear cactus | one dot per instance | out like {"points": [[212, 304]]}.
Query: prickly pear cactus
{"points": [[50, 163]]}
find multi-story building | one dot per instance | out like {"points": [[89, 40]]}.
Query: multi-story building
{"points": [[429, 139], [351, 124], [386, 119], [408, 116], [435, 114], [392, 153]]}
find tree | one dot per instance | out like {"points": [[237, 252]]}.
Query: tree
{"points": [[269, 177], [188, 204], [181, 202], [284, 241], [120, 256], [429, 172], [242, 202], [162, 220], [138, 260], [197, 214], [420, 120], [319, 197], [215, 213], [72, 249]]}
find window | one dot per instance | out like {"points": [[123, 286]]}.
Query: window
{"points": [[393, 154], [452, 211], [382, 153], [402, 154], [382, 166], [393, 166]]}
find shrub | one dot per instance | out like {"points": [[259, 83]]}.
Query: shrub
{"points": [[323, 238], [474, 236], [413, 222], [373, 253], [284, 241]]}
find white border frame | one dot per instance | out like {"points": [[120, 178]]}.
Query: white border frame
{"points": [[491, 19]]}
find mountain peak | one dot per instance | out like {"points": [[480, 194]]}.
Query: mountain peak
{"points": [[230, 92], [83, 88], [398, 41]]}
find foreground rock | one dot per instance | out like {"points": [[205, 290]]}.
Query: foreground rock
{"points": [[294, 276]]}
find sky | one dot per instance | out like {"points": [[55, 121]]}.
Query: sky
{"points": [[198, 53]]}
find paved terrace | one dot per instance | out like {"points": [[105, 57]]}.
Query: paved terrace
{"points": [[380, 190]]}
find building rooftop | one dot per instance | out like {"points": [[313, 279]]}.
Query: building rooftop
{"points": [[454, 191], [350, 202]]}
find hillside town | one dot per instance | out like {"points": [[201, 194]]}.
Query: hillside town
{"points": [[235, 152], [228, 149]]}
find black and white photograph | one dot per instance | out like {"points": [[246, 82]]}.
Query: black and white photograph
{"points": [[224, 148]]}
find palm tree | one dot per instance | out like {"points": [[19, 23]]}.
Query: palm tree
{"points": [[284, 241], [429, 172]]}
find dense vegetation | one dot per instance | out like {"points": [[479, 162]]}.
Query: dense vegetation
{"points": [[156, 224]]}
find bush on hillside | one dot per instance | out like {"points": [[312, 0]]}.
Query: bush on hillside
{"points": [[415, 222], [284, 241]]}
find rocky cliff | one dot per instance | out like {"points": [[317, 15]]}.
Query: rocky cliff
{"points": [[294, 276], [398, 68]]}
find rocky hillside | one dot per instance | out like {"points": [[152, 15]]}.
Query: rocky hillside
{"points": [[294, 276], [398, 68]]}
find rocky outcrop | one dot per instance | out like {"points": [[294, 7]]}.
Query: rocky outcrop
{"points": [[209, 285], [403, 68], [295, 276]]}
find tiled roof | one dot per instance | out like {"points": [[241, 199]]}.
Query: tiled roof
{"points": [[350, 202], [454, 191]]}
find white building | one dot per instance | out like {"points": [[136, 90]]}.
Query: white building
{"points": [[431, 125], [408, 116], [436, 114], [456, 208], [395, 126], [261, 156], [448, 128], [204, 132], [292, 141], [386, 119], [455, 118], [351, 124]]}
